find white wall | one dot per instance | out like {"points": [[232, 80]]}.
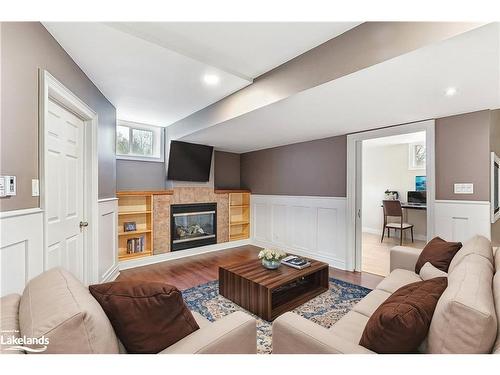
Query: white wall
{"points": [[308, 226], [386, 167]]}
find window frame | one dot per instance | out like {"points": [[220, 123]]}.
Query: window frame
{"points": [[158, 141]]}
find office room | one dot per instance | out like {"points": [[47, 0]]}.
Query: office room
{"points": [[394, 185]]}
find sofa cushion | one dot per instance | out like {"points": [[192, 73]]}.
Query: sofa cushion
{"points": [[465, 319], [147, 316], [200, 319], [371, 302], [428, 271], [401, 323], [478, 245], [9, 322], [56, 305], [439, 253], [350, 327], [396, 279]]}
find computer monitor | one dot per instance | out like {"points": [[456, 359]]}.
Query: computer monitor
{"points": [[420, 183], [417, 197]]}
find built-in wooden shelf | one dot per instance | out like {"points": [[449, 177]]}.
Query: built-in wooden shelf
{"points": [[239, 215], [135, 232], [142, 193], [240, 222], [235, 237], [229, 191], [134, 213], [136, 207], [136, 255]]}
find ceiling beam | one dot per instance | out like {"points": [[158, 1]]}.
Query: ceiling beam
{"points": [[365, 45]]}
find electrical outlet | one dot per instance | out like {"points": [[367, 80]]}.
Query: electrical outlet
{"points": [[463, 188], [35, 188]]}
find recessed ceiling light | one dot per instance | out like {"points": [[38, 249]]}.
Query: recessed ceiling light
{"points": [[211, 79], [450, 91]]}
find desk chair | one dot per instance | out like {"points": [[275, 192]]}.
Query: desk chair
{"points": [[393, 209]]}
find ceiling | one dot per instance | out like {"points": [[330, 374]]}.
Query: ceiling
{"points": [[408, 88], [153, 72], [418, 137], [246, 49]]}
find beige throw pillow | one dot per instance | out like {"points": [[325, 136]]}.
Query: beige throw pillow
{"points": [[464, 321], [428, 271]]}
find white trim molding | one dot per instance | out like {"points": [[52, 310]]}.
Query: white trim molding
{"points": [[21, 249], [132, 263], [354, 183], [308, 226], [52, 89], [458, 220], [108, 240]]}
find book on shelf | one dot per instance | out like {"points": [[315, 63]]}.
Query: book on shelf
{"points": [[295, 262], [135, 245]]}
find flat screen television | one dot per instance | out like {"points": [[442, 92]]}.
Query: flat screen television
{"points": [[189, 161]]}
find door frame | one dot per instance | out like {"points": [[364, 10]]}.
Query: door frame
{"points": [[51, 89], [354, 182]]}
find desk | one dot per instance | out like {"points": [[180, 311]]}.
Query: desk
{"points": [[410, 206]]}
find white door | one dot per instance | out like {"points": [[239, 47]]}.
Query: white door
{"points": [[64, 204]]}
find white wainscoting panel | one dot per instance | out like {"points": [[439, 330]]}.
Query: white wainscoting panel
{"points": [[460, 220], [108, 239], [308, 226], [21, 248]]}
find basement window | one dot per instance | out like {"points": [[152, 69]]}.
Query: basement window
{"points": [[136, 141]]}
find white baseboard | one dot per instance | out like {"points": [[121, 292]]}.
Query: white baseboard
{"points": [[111, 275], [132, 263]]}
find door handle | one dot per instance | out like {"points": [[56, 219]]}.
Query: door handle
{"points": [[359, 213], [83, 224]]}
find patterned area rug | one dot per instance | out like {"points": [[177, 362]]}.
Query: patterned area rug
{"points": [[324, 309]]}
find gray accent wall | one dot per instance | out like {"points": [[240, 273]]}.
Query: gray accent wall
{"points": [[314, 168], [26, 48], [463, 156], [227, 170], [140, 175]]}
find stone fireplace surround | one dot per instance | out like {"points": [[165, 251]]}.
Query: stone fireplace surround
{"points": [[186, 195]]}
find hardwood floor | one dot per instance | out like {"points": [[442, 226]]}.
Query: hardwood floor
{"points": [[198, 269], [376, 254]]}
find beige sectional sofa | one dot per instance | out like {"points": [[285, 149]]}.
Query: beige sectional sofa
{"points": [[60, 308], [465, 320]]}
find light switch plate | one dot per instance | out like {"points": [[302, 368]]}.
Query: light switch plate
{"points": [[35, 188], [463, 188]]}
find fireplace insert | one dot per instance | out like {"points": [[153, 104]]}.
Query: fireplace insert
{"points": [[193, 225]]}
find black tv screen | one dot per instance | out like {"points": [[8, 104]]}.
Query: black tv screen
{"points": [[189, 161]]}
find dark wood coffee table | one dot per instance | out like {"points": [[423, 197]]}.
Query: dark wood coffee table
{"points": [[270, 293]]}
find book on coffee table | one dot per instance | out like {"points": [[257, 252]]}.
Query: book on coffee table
{"points": [[295, 262]]}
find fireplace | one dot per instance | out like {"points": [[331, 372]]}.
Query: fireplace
{"points": [[193, 225]]}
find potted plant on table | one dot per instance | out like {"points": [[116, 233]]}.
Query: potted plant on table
{"points": [[271, 258]]}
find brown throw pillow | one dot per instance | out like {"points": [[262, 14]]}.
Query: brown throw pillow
{"points": [[147, 316], [439, 253], [401, 323]]}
